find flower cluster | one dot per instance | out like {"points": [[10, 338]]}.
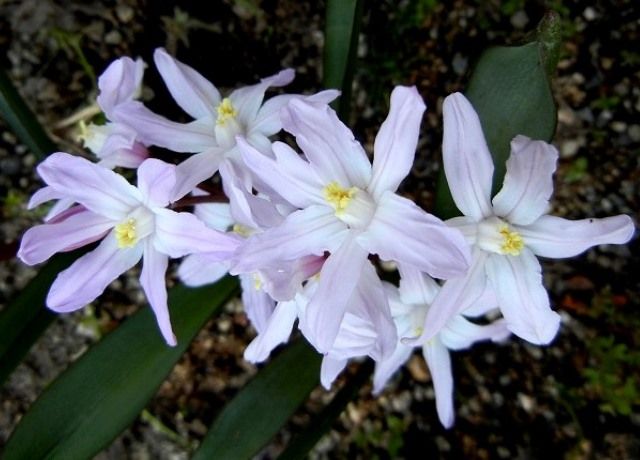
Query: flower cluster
{"points": [[305, 230]]}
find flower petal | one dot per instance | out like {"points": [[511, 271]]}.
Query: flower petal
{"points": [[289, 175], [248, 99], [395, 145], [310, 231], [193, 93], [416, 287], [523, 300], [88, 276], [328, 305], [467, 161], [327, 143], [119, 83], [181, 233], [196, 169], [385, 368], [152, 280], [200, 269], [457, 294], [268, 121], [42, 241], [528, 183], [460, 333], [439, 362], [154, 129], [156, 180], [330, 369], [403, 232], [276, 331], [98, 189], [555, 237]]}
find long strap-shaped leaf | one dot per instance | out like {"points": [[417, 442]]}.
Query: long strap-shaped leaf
{"points": [[343, 19], [510, 91], [100, 395], [24, 319], [256, 414], [15, 112]]}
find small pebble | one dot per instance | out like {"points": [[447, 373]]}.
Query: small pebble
{"points": [[519, 20]]}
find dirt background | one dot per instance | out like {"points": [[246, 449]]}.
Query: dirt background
{"points": [[577, 398]]}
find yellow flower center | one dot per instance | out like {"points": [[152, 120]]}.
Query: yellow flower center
{"points": [[512, 243], [338, 197], [126, 234], [226, 111], [257, 282], [242, 230]]}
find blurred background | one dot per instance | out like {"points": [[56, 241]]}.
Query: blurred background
{"points": [[578, 398]]}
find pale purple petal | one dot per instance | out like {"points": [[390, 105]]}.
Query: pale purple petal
{"points": [[181, 233], [523, 300], [289, 175], [330, 369], [387, 367], [193, 93], [528, 183], [214, 215], [402, 232], [457, 294], [267, 120], [43, 195], [276, 331], [460, 333], [258, 305], [200, 269], [88, 276], [310, 231], [119, 83], [156, 180], [154, 129], [555, 237], [467, 161], [395, 144], [42, 241], [196, 169], [328, 305], [439, 362], [327, 143], [248, 99], [416, 287], [152, 280], [98, 189]]}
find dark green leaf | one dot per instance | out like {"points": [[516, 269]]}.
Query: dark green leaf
{"points": [[342, 27], [261, 408], [102, 393], [21, 120], [24, 319], [300, 446], [509, 90]]}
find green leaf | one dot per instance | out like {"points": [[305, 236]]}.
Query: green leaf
{"points": [[21, 120], [102, 393], [509, 90], [300, 446], [26, 317], [343, 18], [261, 408]]}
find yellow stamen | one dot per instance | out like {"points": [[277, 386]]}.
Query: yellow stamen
{"points": [[513, 242], [126, 233], [242, 230], [257, 282], [85, 133], [338, 197], [226, 111]]}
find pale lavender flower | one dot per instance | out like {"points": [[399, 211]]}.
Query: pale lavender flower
{"points": [[347, 206], [114, 143], [132, 222], [507, 233], [409, 306], [217, 120]]}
